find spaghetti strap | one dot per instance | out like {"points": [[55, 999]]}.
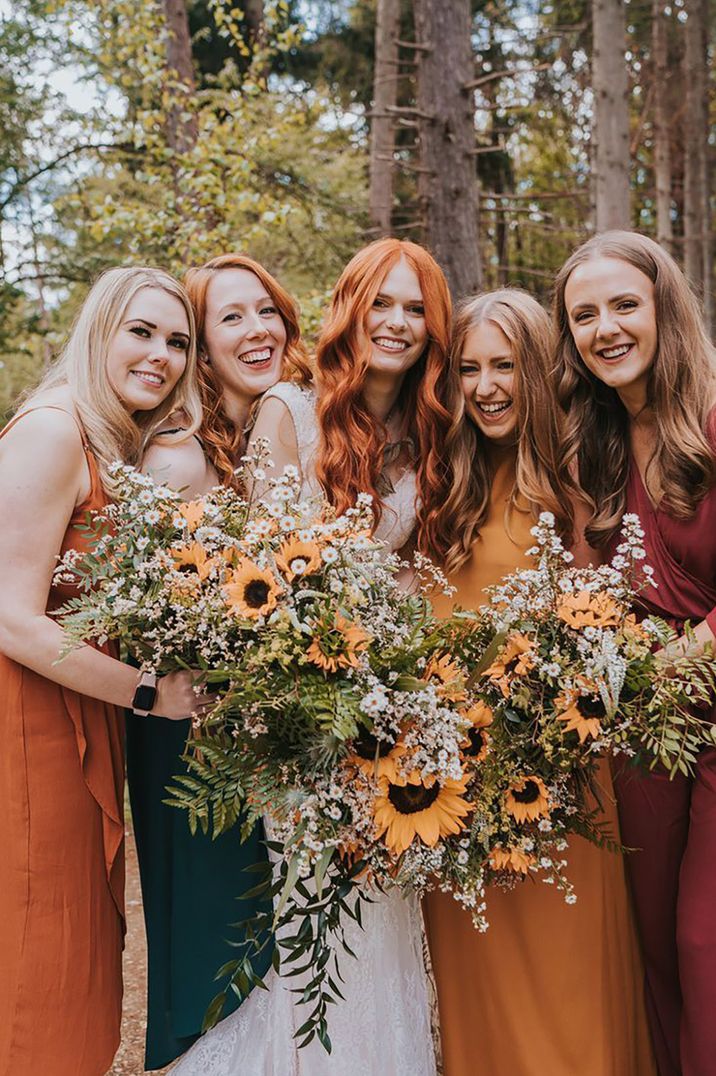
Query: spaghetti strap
{"points": [[95, 484], [49, 407]]}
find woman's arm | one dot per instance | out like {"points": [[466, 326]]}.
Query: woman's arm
{"points": [[42, 475], [275, 423]]}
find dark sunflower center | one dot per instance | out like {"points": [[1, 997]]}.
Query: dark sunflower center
{"points": [[477, 742], [407, 799], [590, 706], [367, 746], [256, 593], [528, 794]]}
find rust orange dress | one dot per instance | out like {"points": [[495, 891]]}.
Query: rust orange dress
{"points": [[61, 865], [550, 989]]}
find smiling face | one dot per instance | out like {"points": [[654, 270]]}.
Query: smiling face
{"points": [[244, 334], [487, 372], [147, 355], [612, 317], [396, 323]]}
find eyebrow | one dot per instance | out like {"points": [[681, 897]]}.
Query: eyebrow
{"points": [[492, 358], [612, 299], [236, 302], [151, 325], [387, 295]]}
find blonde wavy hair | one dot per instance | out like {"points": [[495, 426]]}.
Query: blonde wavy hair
{"points": [[542, 483], [680, 392], [112, 432]]}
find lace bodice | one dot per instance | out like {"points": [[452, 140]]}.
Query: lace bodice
{"points": [[398, 519]]}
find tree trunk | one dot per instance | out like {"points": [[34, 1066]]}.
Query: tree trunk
{"points": [[662, 130], [181, 125], [447, 181], [697, 215], [382, 128], [610, 130]]}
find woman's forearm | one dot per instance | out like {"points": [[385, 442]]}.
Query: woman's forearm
{"points": [[37, 643]]}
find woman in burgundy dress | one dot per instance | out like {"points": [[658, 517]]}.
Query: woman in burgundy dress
{"points": [[638, 380]]}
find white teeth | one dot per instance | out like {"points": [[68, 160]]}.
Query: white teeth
{"points": [[494, 408], [150, 379], [391, 345], [615, 352], [251, 357]]}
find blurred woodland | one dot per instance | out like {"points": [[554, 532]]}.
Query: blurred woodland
{"points": [[498, 132]]}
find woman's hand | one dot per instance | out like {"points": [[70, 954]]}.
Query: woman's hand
{"points": [[178, 697]]}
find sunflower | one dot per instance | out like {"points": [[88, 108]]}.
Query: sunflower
{"points": [[527, 799], [194, 556], [251, 591], [515, 659], [376, 758], [338, 646], [298, 558], [406, 808], [510, 859], [581, 714], [589, 609], [192, 512], [475, 745], [449, 675]]}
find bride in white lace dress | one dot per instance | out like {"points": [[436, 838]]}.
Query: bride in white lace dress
{"points": [[380, 429]]}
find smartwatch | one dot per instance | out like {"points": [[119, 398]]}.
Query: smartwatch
{"points": [[146, 694]]}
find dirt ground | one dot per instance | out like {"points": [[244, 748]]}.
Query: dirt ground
{"points": [[130, 1056]]}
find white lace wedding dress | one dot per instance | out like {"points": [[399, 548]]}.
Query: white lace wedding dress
{"points": [[382, 1027]]}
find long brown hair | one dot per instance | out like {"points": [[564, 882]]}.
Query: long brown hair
{"points": [[222, 441], [680, 393], [350, 455], [541, 479]]}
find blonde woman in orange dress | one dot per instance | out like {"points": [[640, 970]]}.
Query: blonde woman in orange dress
{"points": [[129, 362], [550, 989]]}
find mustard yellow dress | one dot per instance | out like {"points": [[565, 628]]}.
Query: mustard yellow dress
{"points": [[550, 989]]}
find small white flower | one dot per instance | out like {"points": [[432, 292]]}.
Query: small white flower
{"points": [[152, 516], [329, 555]]}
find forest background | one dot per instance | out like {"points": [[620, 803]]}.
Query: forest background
{"points": [[501, 133]]}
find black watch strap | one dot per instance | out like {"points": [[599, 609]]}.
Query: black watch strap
{"points": [[146, 694]]}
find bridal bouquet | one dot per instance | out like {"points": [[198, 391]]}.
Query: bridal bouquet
{"points": [[574, 677], [340, 718]]}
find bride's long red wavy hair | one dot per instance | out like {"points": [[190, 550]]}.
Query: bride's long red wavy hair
{"points": [[222, 442], [350, 455]]}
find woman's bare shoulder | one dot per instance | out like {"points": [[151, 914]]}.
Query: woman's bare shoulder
{"points": [[181, 465]]}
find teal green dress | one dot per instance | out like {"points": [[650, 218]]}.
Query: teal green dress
{"points": [[189, 890]]}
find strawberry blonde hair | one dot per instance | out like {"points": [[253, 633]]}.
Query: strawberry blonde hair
{"points": [[350, 455], [680, 392], [221, 440], [542, 480]]}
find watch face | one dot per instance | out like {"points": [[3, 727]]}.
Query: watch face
{"points": [[144, 697]]}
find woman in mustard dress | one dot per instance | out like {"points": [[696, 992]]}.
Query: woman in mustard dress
{"points": [[128, 363], [550, 989]]}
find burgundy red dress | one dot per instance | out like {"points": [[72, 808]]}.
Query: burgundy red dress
{"points": [[673, 822]]}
